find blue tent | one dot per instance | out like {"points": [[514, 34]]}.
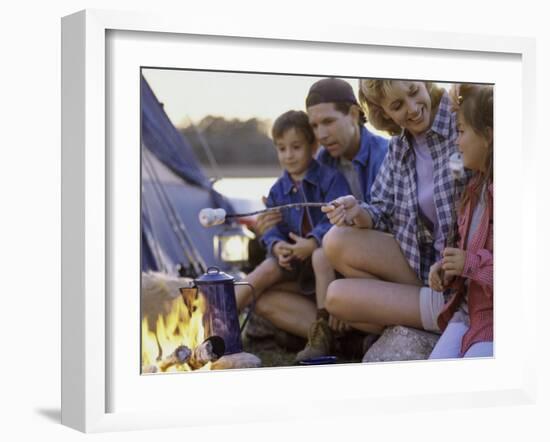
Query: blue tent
{"points": [[174, 190]]}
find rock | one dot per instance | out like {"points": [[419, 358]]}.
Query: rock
{"points": [[400, 343], [237, 360]]}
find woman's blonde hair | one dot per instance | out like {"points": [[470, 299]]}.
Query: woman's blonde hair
{"points": [[371, 94]]}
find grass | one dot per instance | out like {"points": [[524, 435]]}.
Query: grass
{"points": [[270, 353], [276, 352], [277, 348]]}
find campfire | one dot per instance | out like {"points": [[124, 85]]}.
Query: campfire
{"points": [[176, 340], [189, 329]]}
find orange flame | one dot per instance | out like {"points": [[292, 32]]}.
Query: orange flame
{"points": [[183, 325]]}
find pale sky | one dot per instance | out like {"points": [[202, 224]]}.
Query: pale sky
{"points": [[195, 94]]}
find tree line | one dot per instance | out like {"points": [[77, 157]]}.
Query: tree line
{"points": [[231, 142]]}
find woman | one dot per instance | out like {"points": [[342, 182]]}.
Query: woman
{"points": [[386, 248]]}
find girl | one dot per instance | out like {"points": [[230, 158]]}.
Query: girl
{"points": [[467, 319], [386, 248]]}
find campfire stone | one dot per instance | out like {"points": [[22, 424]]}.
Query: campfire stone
{"points": [[237, 360], [400, 343]]}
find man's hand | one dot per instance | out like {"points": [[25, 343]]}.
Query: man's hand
{"points": [[342, 211], [453, 261], [302, 247], [266, 221]]}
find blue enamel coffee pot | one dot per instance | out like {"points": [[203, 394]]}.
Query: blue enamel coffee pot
{"points": [[221, 317]]}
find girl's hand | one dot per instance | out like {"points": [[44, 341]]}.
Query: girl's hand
{"points": [[453, 95], [303, 247], [453, 261], [434, 278], [342, 211]]}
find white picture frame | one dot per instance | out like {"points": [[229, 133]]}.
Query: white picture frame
{"points": [[89, 175]]}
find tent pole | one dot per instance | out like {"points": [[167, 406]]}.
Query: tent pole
{"points": [[181, 233], [155, 248]]}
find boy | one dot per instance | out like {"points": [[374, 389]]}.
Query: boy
{"points": [[291, 244]]}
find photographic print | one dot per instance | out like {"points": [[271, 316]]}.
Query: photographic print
{"points": [[294, 220]]}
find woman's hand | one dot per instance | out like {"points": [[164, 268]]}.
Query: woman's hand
{"points": [[303, 247], [266, 221], [342, 211], [453, 261]]}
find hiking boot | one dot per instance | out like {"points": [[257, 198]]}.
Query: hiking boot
{"points": [[320, 341]]}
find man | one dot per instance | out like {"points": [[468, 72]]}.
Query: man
{"points": [[338, 124], [348, 146]]}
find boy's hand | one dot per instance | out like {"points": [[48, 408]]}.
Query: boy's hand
{"points": [[453, 261], [342, 211], [266, 221], [303, 247], [281, 248], [283, 253], [285, 261]]}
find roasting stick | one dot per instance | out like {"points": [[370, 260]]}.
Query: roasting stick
{"points": [[212, 217], [456, 165]]}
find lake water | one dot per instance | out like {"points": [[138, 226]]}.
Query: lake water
{"points": [[245, 193]]}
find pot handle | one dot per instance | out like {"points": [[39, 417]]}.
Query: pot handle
{"points": [[252, 306]]}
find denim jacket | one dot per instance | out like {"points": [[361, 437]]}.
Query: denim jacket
{"points": [[367, 162], [320, 184]]}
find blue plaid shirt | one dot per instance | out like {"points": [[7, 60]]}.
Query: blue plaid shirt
{"points": [[320, 184], [394, 201]]}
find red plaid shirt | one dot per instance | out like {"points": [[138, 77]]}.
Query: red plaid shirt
{"points": [[478, 269]]}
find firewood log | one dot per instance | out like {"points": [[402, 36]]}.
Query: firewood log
{"points": [[181, 355], [210, 350]]}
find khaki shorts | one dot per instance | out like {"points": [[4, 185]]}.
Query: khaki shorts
{"points": [[431, 304]]}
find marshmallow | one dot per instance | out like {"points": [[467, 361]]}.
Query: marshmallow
{"points": [[211, 217], [456, 164]]}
